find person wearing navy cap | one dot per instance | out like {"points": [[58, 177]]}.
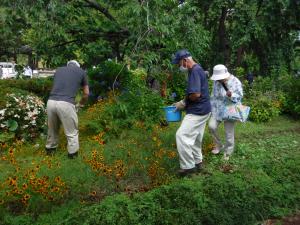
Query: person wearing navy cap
{"points": [[198, 109]]}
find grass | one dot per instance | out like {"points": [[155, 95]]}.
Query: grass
{"points": [[141, 159]]}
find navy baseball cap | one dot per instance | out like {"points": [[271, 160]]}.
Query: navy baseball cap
{"points": [[179, 55]]}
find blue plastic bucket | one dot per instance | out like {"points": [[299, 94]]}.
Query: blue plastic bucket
{"points": [[171, 114]]}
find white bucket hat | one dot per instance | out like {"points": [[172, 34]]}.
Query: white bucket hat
{"points": [[220, 72]]}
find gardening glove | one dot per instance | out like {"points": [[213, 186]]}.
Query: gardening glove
{"points": [[78, 106], [179, 105]]}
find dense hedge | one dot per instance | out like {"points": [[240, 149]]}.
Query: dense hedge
{"points": [[40, 87], [4, 90]]}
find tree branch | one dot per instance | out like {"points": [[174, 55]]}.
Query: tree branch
{"points": [[95, 5], [92, 36]]}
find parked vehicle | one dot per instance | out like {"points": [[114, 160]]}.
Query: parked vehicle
{"points": [[8, 70]]}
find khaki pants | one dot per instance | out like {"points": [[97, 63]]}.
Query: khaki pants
{"points": [[213, 125], [60, 112], [189, 140]]}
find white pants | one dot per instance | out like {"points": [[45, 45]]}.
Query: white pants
{"points": [[60, 112], [189, 140], [229, 134]]}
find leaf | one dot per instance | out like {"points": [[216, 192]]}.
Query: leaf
{"points": [[12, 125], [5, 137]]}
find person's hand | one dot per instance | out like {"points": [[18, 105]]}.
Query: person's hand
{"points": [[228, 93], [78, 106], [179, 105]]}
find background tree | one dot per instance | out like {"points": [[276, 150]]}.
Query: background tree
{"points": [[257, 35]]}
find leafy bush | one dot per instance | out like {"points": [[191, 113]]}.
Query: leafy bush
{"points": [[40, 86], [265, 106], [269, 97], [240, 73], [290, 86], [176, 87], [23, 116], [105, 77], [121, 110]]}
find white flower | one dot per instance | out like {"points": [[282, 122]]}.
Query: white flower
{"points": [[2, 112]]}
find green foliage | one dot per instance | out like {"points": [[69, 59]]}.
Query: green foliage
{"points": [[221, 199], [143, 104], [265, 106], [290, 86], [270, 96], [134, 102], [22, 115], [106, 77], [40, 86], [176, 85], [240, 73]]}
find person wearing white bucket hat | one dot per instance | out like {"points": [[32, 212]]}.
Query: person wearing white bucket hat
{"points": [[226, 88], [197, 106]]}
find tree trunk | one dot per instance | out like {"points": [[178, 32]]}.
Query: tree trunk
{"points": [[239, 59], [223, 46]]}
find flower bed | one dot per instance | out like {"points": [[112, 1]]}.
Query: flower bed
{"points": [[22, 117]]}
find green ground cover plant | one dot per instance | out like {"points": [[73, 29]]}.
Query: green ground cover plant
{"points": [[106, 184]]}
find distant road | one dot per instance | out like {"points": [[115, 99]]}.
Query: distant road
{"points": [[46, 73]]}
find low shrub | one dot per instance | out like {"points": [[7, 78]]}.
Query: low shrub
{"points": [[105, 77], [290, 85], [120, 110], [39, 86], [265, 106], [270, 96], [23, 116], [221, 199]]}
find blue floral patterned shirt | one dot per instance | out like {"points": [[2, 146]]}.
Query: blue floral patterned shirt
{"points": [[219, 98]]}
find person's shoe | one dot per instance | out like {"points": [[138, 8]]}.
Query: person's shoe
{"points": [[226, 157], [185, 172], [72, 155], [199, 166], [50, 151], [215, 151]]}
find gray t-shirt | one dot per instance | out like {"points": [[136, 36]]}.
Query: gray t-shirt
{"points": [[67, 81]]}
